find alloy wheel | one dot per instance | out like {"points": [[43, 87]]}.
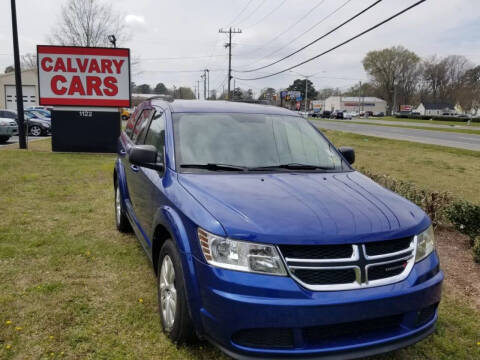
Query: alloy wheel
{"points": [[168, 292]]}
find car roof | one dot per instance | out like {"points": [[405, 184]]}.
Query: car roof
{"points": [[202, 106]]}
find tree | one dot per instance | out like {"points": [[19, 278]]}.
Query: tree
{"points": [[299, 85], [469, 95], [143, 89], [267, 94], [184, 92], [9, 69], [327, 92], [88, 23], [160, 88], [395, 72], [27, 62]]}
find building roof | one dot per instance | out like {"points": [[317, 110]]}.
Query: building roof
{"points": [[356, 98], [438, 106], [221, 106]]}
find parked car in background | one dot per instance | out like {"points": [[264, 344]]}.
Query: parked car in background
{"points": [[37, 125], [337, 115], [8, 126], [41, 113], [326, 114], [347, 115], [125, 114], [265, 240]]}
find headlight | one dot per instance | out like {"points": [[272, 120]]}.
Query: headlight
{"points": [[240, 255], [425, 244]]}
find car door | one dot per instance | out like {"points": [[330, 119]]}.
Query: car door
{"points": [[151, 181], [132, 172]]}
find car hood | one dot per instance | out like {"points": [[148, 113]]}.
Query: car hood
{"points": [[304, 208], [7, 122]]}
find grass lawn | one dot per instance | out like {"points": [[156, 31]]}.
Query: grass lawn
{"points": [[434, 122], [429, 166], [419, 127], [72, 287]]}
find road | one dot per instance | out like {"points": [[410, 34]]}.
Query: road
{"points": [[14, 140], [457, 140]]}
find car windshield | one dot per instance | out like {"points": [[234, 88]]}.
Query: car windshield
{"points": [[221, 141]]}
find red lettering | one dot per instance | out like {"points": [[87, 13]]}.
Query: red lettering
{"points": [[76, 86], [94, 66], [118, 65], [54, 84], [44, 64], [111, 86], [106, 66], [82, 65], [93, 84], [59, 65], [69, 66]]}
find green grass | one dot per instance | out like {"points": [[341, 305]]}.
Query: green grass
{"points": [[72, 287], [429, 166], [462, 131], [433, 122]]}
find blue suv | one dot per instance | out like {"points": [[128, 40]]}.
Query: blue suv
{"points": [[264, 239]]}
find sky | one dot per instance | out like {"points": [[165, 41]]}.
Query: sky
{"points": [[174, 40]]}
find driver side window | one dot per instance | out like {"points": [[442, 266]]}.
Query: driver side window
{"points": [[156, 133]]}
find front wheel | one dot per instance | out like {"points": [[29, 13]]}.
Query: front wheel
{"points": [[4, 139], [121, 219], [35, 130], [174, 315]]}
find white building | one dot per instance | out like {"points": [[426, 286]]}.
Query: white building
{"points": [[8, 97], [354, 103], [435, 109]]}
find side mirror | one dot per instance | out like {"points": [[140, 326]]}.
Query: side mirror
{"points": [[145, 156], [348, 153]]}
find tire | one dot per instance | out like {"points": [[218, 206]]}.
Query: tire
{"points": [[121, 220], [35, 130], [172, 302], [4, 139]]}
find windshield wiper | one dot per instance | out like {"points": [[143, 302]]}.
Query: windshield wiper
{"points": [[214, 167], [292, 166]]}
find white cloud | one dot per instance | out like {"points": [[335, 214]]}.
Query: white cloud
{"points": [[134, 19]]}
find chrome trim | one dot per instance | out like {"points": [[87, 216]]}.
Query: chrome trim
{"points": [[358, 281], [384, 256], [355, 257]]}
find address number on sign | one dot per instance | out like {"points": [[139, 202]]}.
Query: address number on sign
{"points": [[85, 113]]}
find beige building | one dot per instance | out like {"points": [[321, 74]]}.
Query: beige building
{"points": [[8, 98], [359, 104]]}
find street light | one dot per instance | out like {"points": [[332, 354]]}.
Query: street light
{"points": [[113, 40]]}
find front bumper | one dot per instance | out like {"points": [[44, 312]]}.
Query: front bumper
{"points": [[8, 130], [295, 322]]}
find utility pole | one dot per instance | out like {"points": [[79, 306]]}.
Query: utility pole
{"points": [[230, 31], [18, 80], [208, 84], [306, 96], [198, 89], [204, 78]]}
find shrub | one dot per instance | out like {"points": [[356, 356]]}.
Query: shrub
{"points": [[476, 250], [466, 219], [437, 117]]}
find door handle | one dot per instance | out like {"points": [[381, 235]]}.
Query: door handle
{"points": [[134, 168]]}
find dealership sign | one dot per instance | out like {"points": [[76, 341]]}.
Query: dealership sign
{"points": [[83, 76]]}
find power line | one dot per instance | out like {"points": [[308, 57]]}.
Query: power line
{"points": [[253, 12], [240, 13], [316, 40], [290, 27], [180, 57], [341, 44], [181, 71], [268, 14]]}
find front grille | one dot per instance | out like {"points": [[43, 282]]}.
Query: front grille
{"points": [[385, 247], [317, 252], [350, 266], [326, 277], [319, 334], [280, 338], [386, 270]]}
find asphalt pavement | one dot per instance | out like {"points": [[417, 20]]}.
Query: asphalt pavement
{"points": [[452, 139], [426, 123]]}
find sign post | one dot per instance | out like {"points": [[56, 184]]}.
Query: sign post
{"points": [[86, 86]]}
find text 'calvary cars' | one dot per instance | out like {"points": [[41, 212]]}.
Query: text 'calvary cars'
{"points": [[265, 240]]}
